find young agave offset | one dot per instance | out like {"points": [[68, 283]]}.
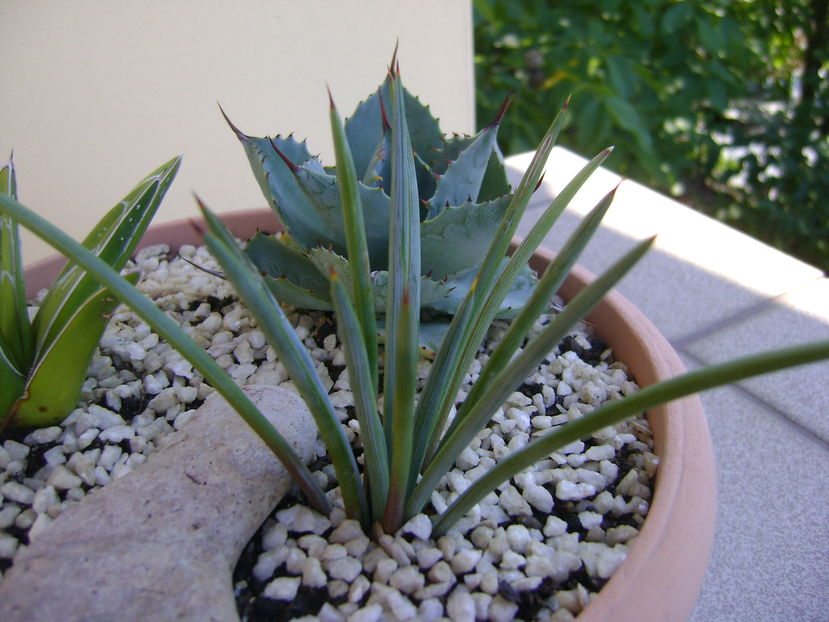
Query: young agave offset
{"points": [[43, 363], [408, 446], [462, 195]]}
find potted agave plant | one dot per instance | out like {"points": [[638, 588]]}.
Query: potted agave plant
{"points": [[378, 279]]}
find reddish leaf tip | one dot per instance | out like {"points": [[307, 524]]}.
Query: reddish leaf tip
{"points": [[239, 134], [196, 225], [383, 115], [293, 167], [540, 181], [503, 110]]}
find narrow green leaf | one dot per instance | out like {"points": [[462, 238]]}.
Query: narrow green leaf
{"points": [[509, 223], [113, 239], [616, 411], [280, 334], [521, 256], [455, 358], [168, 329], [363, 381], [473, 418], [355, 234], [458, 286], [552, 279], [429, 415], [54, 383], [402, 311], [15, 328], [488, 310], [402, 400]]}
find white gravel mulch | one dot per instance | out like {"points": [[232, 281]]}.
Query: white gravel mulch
{"points": [[535, 548]]}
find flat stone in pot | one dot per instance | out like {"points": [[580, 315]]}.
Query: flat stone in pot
{"points": [[161, 542]]}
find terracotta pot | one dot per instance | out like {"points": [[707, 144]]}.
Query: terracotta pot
{"points": [[661, 578]]}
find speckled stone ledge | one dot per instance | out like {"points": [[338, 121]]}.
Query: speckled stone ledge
{"points": [[161, 542]]}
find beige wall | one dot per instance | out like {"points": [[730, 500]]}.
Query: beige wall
{"points": [[95, 93]]}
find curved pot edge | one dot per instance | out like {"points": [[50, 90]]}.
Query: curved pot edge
{"points": [[663, 572]]}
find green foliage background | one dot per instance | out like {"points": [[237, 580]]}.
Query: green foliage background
{"points": [[721, 103]]}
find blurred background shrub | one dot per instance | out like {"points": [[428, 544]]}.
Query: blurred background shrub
{"points": [[720, 103]]}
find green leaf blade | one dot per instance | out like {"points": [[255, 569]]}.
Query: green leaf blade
{"points": [[15, 327], [473, 417], [113, 239], [362, 378], [169, 330], [12, 382], [402, 311], [355, 232], [539, 302], [54, 383], [616, 411], [292, 354]]}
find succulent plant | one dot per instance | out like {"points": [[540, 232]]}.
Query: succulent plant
{"points": [[462, 193], [43, 362], [411, 443]]}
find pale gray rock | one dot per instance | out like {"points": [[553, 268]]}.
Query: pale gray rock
{"points": [[180, 533]]}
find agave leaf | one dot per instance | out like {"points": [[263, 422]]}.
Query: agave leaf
{"points": [[616, 411], [55, 381], [288, 292], [15, 329], [450, 150], [280, 257], [461, 182], [364, 129], [378, 175], [457, 239], [324, 192], [458, 284], [113, 239], [431, 292], [281, 188], [495, 182]]}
